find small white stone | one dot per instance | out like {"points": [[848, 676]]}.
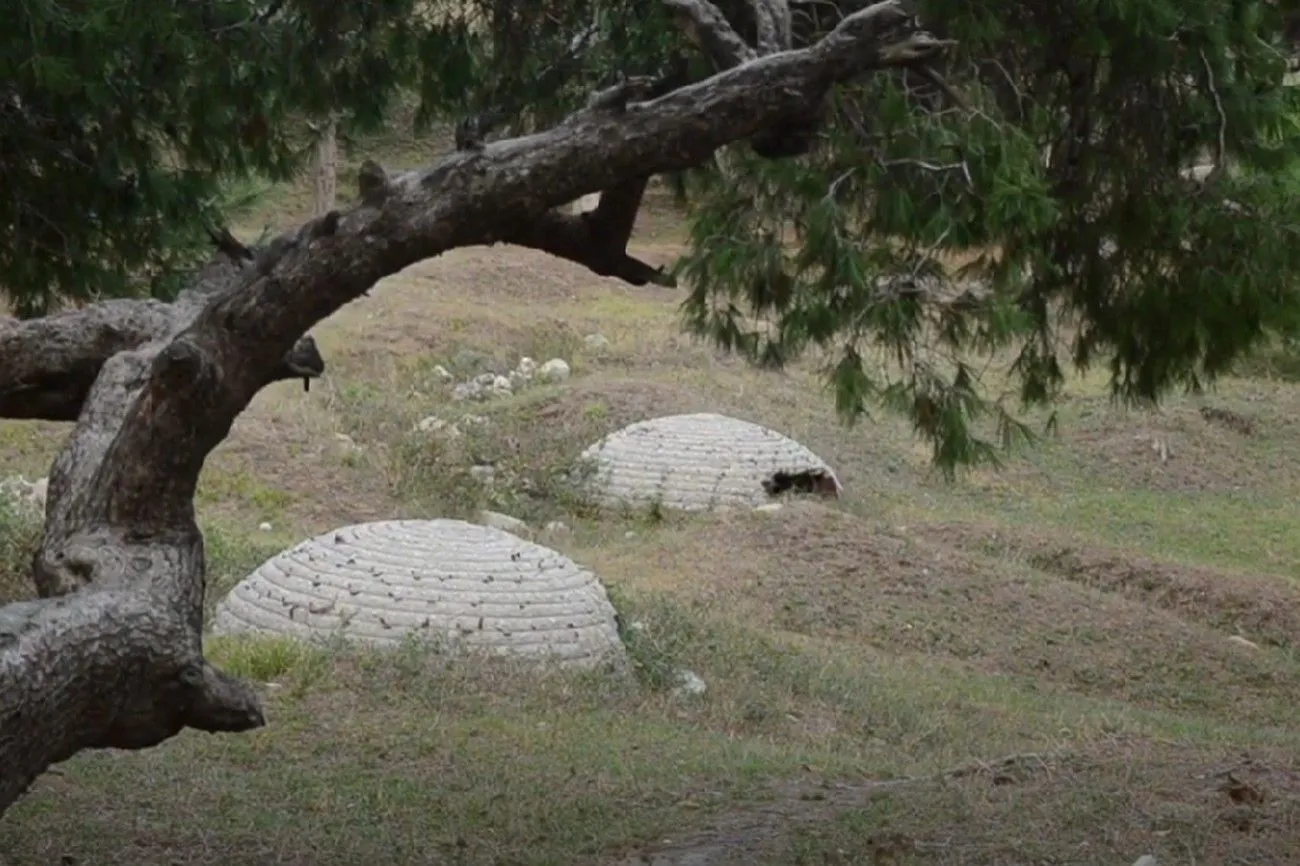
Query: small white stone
{"points": [[467, 391], [1145, 860], [1244, 642], [518, 379], [485, 380], [473, 420], [38, 492], [527, 367], [264, 526], [596, 342], [504, 522], [501, 385], [482, 473], [689, 684], [629, 534], [346, 441], [558, 527], [768, 508], [442, 374], [432, 424], [554, 370]]}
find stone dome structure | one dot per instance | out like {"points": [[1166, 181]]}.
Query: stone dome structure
{"points": [[702, 462], [457, 584]]}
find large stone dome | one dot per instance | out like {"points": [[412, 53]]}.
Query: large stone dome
{"points": [[448, 581], [701, 462]]}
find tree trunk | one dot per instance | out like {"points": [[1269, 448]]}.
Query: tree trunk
{"points": [[326, 170], [111, 655]]}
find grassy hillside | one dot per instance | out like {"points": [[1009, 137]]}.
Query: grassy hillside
{"points": [[1083, 657]]}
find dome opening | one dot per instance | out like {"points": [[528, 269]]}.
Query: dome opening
{"points": [[702, 462]]}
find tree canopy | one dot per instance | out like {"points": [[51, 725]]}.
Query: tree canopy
{"points": [[836, 159], [1050, 151]]}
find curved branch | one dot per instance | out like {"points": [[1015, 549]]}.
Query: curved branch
{"points": [[48, 365], [113, 655]]}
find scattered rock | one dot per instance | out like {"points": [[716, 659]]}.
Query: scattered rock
{"points": [[768, 508], [596, 342], [473, 420], [38, 492], [442, 374], [504, 522], [506, 382], [554, 370], [1241, 641], [558, 527], [689, 684], [432, 424], [1145, 860], [347, 441], [467, 391], [264, 526], [629, 534], [483, 473], [26, 493]]}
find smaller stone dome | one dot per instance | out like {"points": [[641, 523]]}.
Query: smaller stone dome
{"points": [[701, 462], [448, 581]]}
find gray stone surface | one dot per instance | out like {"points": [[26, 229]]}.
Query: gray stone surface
{"points": [[451, 582], [696, 462]]}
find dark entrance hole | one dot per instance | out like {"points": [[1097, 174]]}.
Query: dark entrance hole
{"points": [[815, 482]]}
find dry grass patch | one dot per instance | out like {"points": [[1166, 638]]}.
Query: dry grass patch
{"points": [[1177, 802], [1261, 608], [823, 574]]}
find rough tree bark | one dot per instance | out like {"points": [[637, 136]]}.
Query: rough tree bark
{"points": [[112, 655], [325, 171]]}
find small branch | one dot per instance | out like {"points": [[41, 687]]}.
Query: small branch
{"points": [[1221, 145], [772, 23], [596, 240], [706, 26], [635, 89], [228, 244], [219, 703]]}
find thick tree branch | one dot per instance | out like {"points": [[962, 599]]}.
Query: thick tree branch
{"points": [[114, 657], [706, 26], [596, 239], [888, 26], [772, 18], [48, 365], [112, 638]]}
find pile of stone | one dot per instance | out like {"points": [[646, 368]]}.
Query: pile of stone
{"points": [[486, 386]]}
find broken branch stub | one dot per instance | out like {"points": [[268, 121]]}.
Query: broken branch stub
{"points": [[112, 656]]}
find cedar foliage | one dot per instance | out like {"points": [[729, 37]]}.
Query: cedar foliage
{"points": [[1054, 154]]}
